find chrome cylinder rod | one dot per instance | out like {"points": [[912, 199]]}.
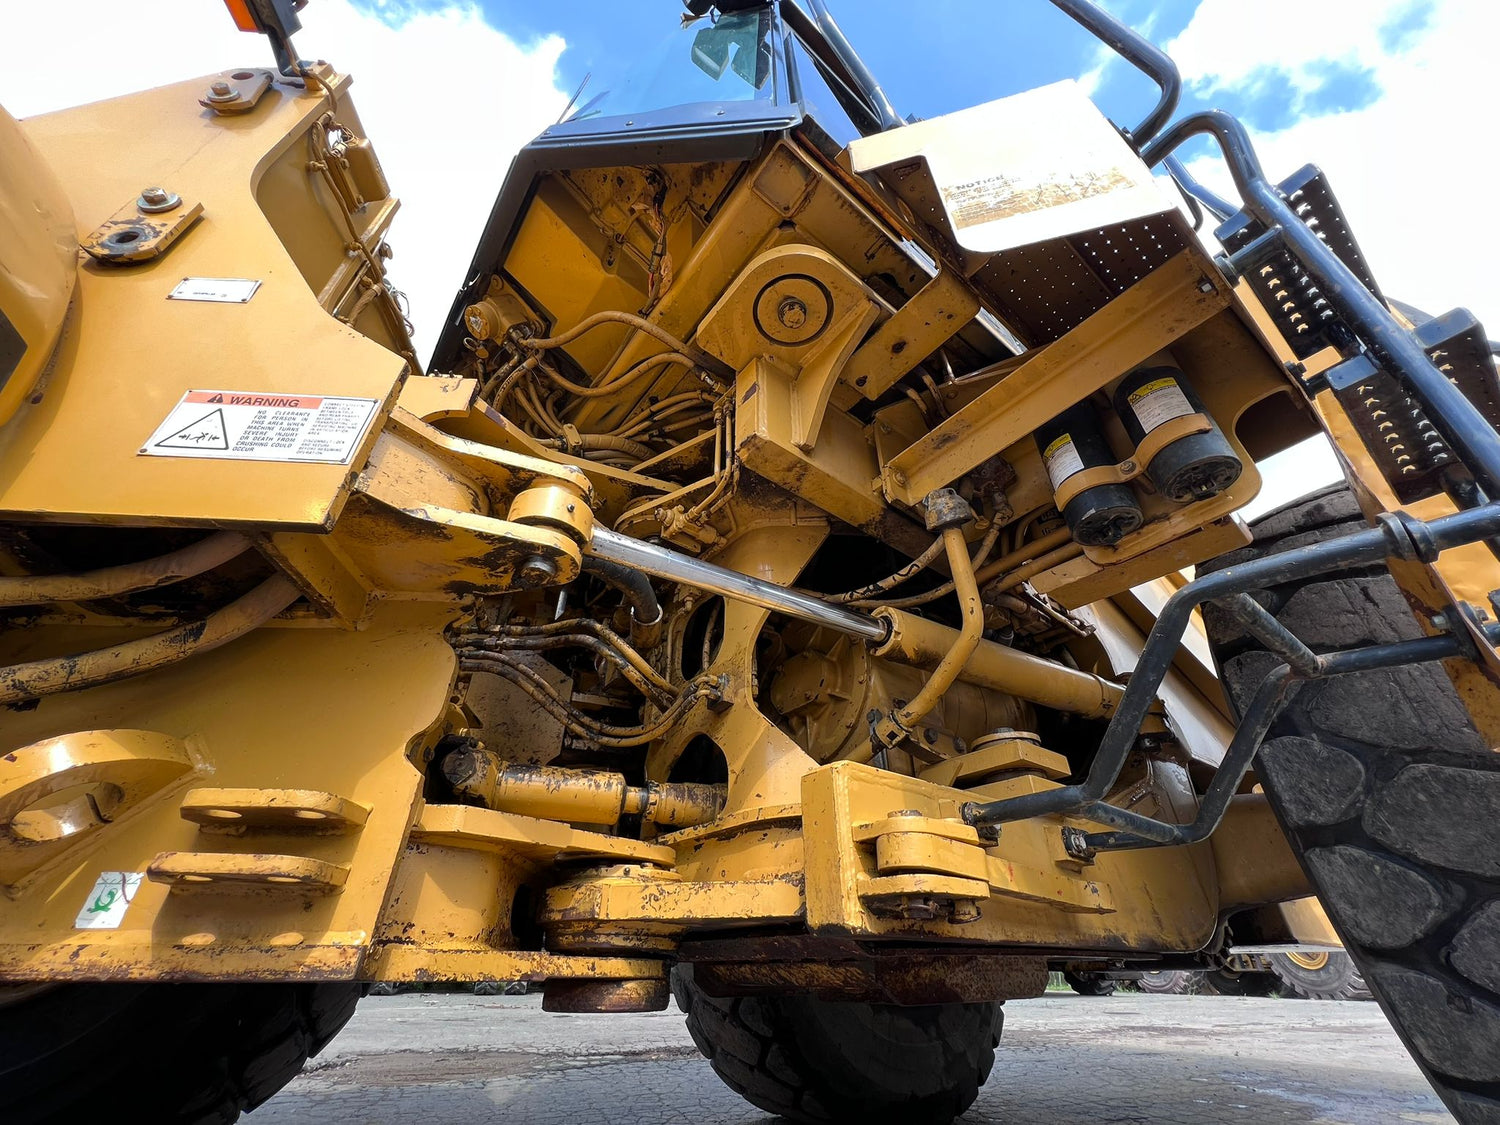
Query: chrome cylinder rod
{"points": [[676, 567]]}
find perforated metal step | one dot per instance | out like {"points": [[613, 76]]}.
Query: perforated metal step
{"points": [[1299, 308], [1408, 448]]}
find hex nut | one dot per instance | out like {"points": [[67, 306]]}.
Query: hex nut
{"points": [[154, 200]]}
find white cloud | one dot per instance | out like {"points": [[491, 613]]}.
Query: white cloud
{"points": [[446, 98], [1415, 168]]}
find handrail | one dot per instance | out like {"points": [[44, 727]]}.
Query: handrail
{"points": [[1140, 53]]}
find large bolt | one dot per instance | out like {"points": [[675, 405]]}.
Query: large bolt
{"points": [[156, 199], [537, 571], [791, 312], [222, 91]]}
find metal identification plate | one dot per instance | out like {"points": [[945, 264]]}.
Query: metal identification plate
{"points": [[249, 426], [225, 290]]}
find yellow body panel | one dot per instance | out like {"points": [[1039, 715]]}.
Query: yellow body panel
{"points": [[283, 798]]}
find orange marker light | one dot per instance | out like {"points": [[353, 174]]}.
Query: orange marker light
{"points": [[244, 18]]}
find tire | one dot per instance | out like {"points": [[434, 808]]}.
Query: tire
{"points": [[1228, 982], [1320, 976], [1170, 982], [161, 1052], [820, 1061], [1387, 794], [1089, 984]]}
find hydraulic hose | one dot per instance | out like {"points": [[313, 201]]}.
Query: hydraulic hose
{"points": [[941, 678], [20, 682], [128, 578], [636, 587], [640, 324]]}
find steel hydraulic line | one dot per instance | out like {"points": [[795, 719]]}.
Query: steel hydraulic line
{"points": [[675, 567], [1396, 535], [19, 682], [1456, 418], [128, 578], [940, 679]]}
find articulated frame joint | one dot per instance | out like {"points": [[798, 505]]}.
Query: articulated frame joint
{"points": [[557, 505]]}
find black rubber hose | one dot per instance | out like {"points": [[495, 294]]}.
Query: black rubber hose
{"points": [[632, 583]]}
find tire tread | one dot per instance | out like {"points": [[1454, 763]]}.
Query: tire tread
{"points": [[1413, 760]]}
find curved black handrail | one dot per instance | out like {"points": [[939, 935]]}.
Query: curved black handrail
{"points": [[1140, 53]]}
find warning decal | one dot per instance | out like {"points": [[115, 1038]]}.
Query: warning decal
{"points": [[1062, 460], [246, 426], [1158, 402], [104, 909]]}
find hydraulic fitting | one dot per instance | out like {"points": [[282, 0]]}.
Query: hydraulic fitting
{"points": [[578, 796]]}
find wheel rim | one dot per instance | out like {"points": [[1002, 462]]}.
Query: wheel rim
{"points": [[1313, 962]]}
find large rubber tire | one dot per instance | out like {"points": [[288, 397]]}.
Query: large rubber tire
{"points": [[1228, 982], [1089, 984], [1388, 796], [1336, 979], [160, 1052], [821, 1061], [1170, 982]]}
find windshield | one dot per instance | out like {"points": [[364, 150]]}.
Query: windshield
{"points": [[723, 59]]}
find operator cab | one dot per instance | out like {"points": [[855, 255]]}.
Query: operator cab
{"points": [[714, 90]]}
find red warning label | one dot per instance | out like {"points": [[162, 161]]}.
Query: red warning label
{"points": [[259, 426], [238, 398]]}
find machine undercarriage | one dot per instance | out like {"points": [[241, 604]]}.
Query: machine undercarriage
{"points": [[783, 571]]}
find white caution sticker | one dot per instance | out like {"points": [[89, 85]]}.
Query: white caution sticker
{"points": [[220, 290], [105, 907], [1159, 401], [246, 426], [1062, 460]]}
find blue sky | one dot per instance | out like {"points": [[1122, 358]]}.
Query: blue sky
{"points": [[1388, 96], [957, 53]]}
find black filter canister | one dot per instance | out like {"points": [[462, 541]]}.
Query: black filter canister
{"points": [[1100, 516], [1194, 467]]}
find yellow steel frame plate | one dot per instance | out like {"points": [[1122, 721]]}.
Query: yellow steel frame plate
{"points": [[325, 710], [1158, 309], [1029, 892], [131, 353]]}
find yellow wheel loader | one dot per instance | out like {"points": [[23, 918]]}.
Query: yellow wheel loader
{"points": [[743, 603]]}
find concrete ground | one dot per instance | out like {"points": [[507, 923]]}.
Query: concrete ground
{"points": [[446, 1059]]}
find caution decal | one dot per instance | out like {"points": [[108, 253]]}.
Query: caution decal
{"points": [[262, 426]]}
